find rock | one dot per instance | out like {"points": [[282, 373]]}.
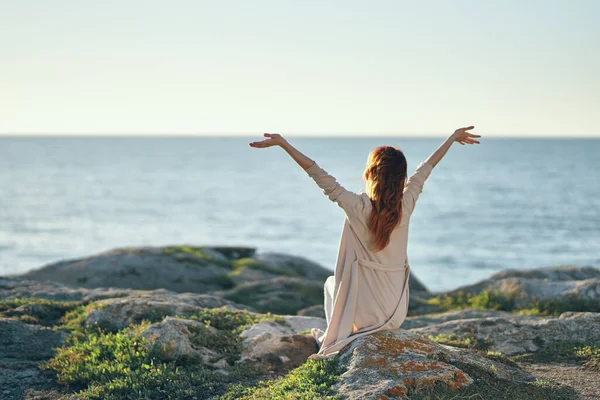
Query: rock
{"points": [[171, 339], [560, 273], [279, 295], [293, 266], [469, 313], [564, 288], [176, 268], [15, 288], [118, 313], [313, 311], [512, 336], [292, 325], [28, 342], [280, 353], [416, 286], [399, 363], [278, 348]]}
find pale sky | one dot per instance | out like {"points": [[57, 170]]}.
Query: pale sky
{"points": [[509, 67]]}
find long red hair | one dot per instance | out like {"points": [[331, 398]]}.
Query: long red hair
{"points": [[385, 176]]}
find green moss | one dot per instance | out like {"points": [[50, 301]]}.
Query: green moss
{"points": [[230, 324], [312, 380], [493, 299], [250, 263], [119, 365], [465, 342], [197, 253], [489, 299], [36, 311]]}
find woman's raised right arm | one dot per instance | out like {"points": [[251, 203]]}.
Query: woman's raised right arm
{"points": [[461, 136], [414, 184]]}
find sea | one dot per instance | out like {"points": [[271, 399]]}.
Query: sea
{"points": [[506, 203]]}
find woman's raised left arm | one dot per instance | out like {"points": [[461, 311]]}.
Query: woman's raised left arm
{"points": [[275, 139], [349, 201]]}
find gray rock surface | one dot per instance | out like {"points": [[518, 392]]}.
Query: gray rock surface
{"points": [[313, 311], [578, 287], [517, 335], [177, 268], [469, 313], [288, 265], [171, 338], [280, 295], [22, 348], [278, 348], [393, 364], [118, 313]]}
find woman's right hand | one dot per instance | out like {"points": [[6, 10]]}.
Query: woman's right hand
{"points": [[273, 139], [463, 137]]}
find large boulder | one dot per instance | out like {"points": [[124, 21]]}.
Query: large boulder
{"points": [[398, 364], [176, 268], [171, 339], [279, 347], [15, 288], [567, 288], [293, 266], [517, 335], [280, 295], [117, 313]]}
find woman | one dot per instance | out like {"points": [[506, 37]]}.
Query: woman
{"points": [[369, 290]]}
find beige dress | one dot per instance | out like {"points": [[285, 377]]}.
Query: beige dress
{"points": [[369, 290]]}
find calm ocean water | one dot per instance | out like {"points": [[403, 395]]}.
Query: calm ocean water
{"points": [[503, 204]]}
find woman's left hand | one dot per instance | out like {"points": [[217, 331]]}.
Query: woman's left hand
{"points": [[273, 139]]}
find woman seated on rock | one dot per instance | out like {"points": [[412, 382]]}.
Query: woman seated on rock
{"points": [[369, 289]]}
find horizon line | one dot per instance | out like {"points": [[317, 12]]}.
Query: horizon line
{"points": [[297, 135]]}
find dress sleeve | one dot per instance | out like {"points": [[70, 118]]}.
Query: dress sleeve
{"points": [[349, 201], [414, 186]]}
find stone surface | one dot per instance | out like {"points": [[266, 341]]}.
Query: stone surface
{"points": [[27, 342], [512, 336], [145, 268], [569, 285], [22, 348], [313, 311], [171, 339], [280, 295], [469, 313], [288, 265], [118, 313], [278, 348], [392, 364]]}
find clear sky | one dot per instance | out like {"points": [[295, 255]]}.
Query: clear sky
{"points": [[509, 67]]}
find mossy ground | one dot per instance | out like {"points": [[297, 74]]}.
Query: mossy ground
{"points": [[98, 364], [37, 311], [312, 380]]}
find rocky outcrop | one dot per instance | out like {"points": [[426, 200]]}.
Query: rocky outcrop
{"points": [[398, 364], [278, 295], [515, 335], [568, 288], [468, 313], [279, 347], [172, 340], [22, 348], [176, 268], [118, 313]]}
